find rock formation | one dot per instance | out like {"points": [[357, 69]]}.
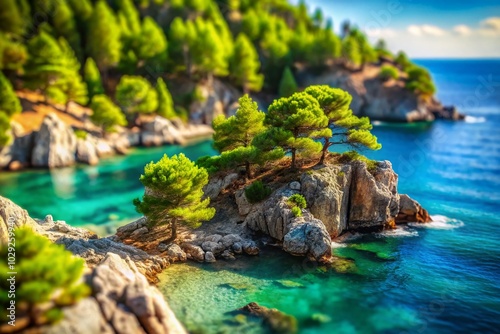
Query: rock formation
{"points": [[12, 216]]}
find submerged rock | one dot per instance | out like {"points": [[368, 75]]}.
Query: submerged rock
{"points": [[277, 321]]}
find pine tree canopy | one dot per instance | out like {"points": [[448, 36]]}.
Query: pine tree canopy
{"points": [[135, 95], [106, 114]]}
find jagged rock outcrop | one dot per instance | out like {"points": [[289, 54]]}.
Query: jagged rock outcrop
{"points": [[410, 211], [17, 153], [54, 144], [374, 198], [301, 236], [86, 152], [327, 194], [12, 216], [218, 184], [381, 100], [160, 131]]}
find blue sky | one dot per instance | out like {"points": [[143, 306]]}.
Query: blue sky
{"points": [[424, 28]]}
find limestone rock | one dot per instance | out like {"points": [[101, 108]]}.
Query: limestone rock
{"points": [[295, 185], [410, 211], [218, 184], [175, 253], [250, 248], [230, 239], [374, 200], [212, 247], [244, 206], [13, 216], [193, 252], [55, 144], [209, 257], [326, 191], [160, 131], [228, 255], [237, 248], [213, 238], [86, 152], [308, 236]]}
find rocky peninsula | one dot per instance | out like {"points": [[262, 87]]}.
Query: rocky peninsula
{"points": [[342, 198]]}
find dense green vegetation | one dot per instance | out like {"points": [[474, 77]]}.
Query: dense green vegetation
{"points": [[388, 72], [297, 202], [257, 192], [48, 278], [174, 191], [129, 49]]}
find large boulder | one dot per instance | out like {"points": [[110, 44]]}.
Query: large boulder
{"points": [[374, 200], [308, 236], [12, 216], [55, 144], [160, 131], [217, 184], [326, 191], [410, 211], [19, 149], [86, 152]]}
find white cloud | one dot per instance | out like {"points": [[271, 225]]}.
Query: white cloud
{"points": [[381, 32], [490, 27], [426, 29], [462, 30]]}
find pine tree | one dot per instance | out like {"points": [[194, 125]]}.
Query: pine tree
{"points": [[4, 128], [174, 191], [13, 16], [368, 54], [403, 61], [295, 122], [165, 101], [103, 37], [348, 129], [351, 51], [152, 43], [9, 102], [13, 54], [64, 24], [245, 65], [92, 77], [181, 36], [136, 96], [51, 277], [251, 25], [287, 85], [233, 137], [106, 114], [46, 62]]}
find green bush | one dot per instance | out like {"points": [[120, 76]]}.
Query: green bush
{"points": [[420, 81], [297, 212], [210, 163], [46, 273], [81, 134], [388, 72], [297, 200], [257, 192], [355, 156]]}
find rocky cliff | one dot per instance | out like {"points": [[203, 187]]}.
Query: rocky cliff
{"points": [[122, 299], [381, 100]]}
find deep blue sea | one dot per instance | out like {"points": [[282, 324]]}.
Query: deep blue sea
{"points": [[441, 278]]}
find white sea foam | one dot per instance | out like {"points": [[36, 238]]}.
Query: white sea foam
{"points": [[439, 223], [472, 119], [399, 232], [376, 123], [338, 244]]}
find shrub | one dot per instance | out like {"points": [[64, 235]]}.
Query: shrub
{"points": [[46, 272], [355, 156], [81, 134], [420, 81], [257, 192], [388, 72], [297, 212], [297, 200], [211, 164]]}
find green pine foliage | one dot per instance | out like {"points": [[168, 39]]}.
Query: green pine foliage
{"points": [[92, 78], [345, 127], [355, 156], [165, 102], [106, 114], [9, 102], [174, 191], [351, 51], [103, 36], [257, 192], [297, 200], [388, 72], [14, 16], [287, 85], [420, 81], [13, 54], [4, 129], [297, 212], [233, 137], [403, 61], [49, 276], [245, 65], [295, 123], [135, 95], [65, 26]]}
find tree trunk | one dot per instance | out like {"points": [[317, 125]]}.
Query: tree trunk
{"points": [[173, 234], [293, 158], [66, 106], [324, 151], [249, 171]]}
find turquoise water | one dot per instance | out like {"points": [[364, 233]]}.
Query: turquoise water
{"points": [[439, 279]]}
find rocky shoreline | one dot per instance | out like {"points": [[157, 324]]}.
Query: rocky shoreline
{"points": [[341, 198]]}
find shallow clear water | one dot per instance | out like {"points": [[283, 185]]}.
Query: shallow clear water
{"points": [[439, 279]]}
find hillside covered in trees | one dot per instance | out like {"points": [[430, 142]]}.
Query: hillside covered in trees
{"points": [[119, 57]]}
